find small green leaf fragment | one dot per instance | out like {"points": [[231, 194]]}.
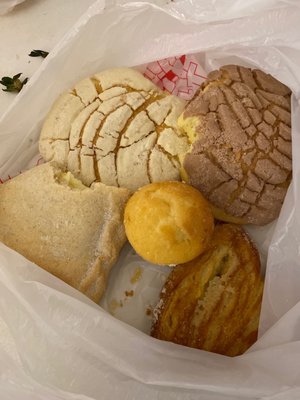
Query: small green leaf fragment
{"points": [[13, 84], [38, 53], [17, 76]]}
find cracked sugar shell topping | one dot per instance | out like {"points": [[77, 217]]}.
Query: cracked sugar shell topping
{"points": [[117, 128], [239, 127]]}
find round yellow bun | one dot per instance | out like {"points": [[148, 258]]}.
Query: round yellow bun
{"points": [[168, 222]]}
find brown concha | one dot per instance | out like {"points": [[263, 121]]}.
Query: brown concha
{"points": [[239, 124]]}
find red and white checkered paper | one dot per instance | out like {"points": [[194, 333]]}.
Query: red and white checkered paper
{"points": [[180, 76], [37, 160]]}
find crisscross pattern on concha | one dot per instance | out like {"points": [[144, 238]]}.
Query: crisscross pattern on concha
{"points": [[117, 128], [239, 124]]}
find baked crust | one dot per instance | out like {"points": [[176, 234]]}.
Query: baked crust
{"points": [[213, 302], [72, 231], [168, 222], [117, 128], [239, 126]]}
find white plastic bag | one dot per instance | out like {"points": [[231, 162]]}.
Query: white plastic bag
{"points": [[8, 5], [63, 346]]}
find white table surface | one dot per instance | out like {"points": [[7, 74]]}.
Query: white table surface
{"points": [[33, 24]]}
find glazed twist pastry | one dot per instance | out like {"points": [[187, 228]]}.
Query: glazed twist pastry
{"points": [[213, 302]]}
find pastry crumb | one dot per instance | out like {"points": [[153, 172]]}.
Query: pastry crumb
{"points": [[149, 311], [137, 275], [129, 293], [114, 305]]}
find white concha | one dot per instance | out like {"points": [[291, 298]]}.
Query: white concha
{"points": [[116, 127]]}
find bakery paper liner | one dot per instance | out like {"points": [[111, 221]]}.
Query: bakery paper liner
{"points": [[180, 76], [69, 347]]}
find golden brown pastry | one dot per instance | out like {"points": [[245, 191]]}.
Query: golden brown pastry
{"points": [[117, 128], [72, 231], [213, 302], [168, 222], [239, 126]]}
